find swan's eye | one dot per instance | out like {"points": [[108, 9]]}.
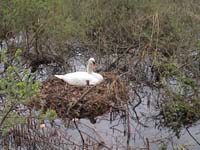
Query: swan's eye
{"points": [[93, 62]]}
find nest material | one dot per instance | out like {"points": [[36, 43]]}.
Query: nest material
{"points": [[80, 102]]}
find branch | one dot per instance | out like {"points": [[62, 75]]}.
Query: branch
{"points": [[7, 113], [83, 141], [84, 94], [140, 101], [187, 129], [128, 128]]}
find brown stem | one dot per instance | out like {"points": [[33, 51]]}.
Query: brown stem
{"points": [[187, 129], [82, 96], [5, 116], [128, 128], [83, 141]]}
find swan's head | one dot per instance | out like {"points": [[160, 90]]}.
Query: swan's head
{"points": [[91, 65], [92, 61]]}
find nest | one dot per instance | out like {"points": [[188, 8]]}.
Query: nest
{"points": [[82, 102]]}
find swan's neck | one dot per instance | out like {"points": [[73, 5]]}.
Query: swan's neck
{"points": [[89, 69]]}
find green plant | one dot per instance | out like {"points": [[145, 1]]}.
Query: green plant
{"points": [[17, 87]]}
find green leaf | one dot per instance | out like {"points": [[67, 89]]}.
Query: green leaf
{"points": [[18, 53]]}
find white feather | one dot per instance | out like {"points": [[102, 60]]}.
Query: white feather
{"points": [[82, 78]]}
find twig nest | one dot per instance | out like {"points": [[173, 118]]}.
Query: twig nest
{"points": [[80, 102]]}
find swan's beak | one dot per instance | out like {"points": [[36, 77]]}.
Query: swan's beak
{"points": [[94, 65]]}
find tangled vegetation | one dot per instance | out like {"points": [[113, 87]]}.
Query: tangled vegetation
{"points": [[153, 44], [178, 113]]}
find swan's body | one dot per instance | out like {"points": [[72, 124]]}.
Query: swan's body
{"points": [[83, 78]]}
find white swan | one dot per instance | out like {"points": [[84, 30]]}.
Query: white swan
{"points": [[83, 78]]}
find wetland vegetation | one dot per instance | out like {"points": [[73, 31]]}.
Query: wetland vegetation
{"points": [[153, 45]]}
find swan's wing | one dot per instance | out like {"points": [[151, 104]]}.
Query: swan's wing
{"points": [[80, 78], [98, 76]]}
